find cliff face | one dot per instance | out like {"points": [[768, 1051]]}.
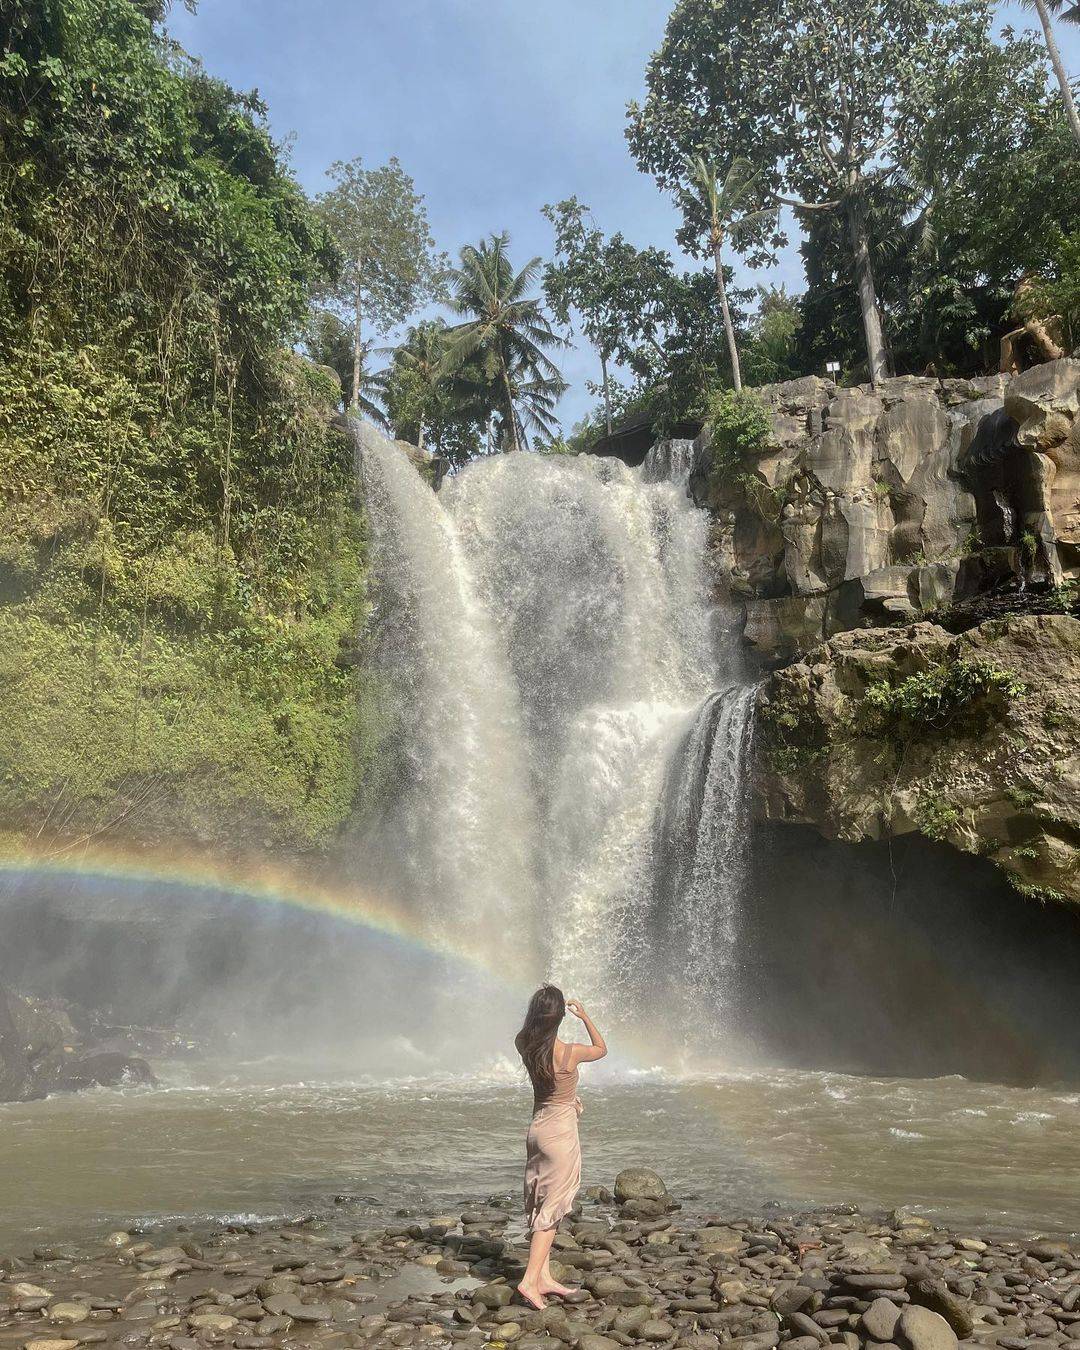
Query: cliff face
{"points": [[970, 739], [875, 505]]}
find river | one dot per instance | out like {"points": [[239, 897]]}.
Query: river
{"points": [[253, 1143]]}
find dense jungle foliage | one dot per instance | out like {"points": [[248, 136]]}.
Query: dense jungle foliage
{"points": [[181, 560]]}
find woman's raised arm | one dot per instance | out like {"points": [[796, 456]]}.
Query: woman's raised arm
{"points": [[584, 1054]]}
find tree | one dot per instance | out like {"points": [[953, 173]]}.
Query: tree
{"points": [[1070, 12], [390, 269], [725, 209], [610, 284], [429, 406], [770, 350], [329, 342], [818, 97], [507, 335]]}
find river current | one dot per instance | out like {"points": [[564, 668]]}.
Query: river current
{"points": [[253, 1143]]}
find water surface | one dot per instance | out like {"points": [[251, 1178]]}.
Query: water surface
{"points": [[217, 1146]]}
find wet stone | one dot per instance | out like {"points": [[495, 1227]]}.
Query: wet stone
{"points": [[880, 1319]]}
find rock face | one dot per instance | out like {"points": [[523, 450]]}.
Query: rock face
{"points": [[970, 739], [42, 1051], [873, 505]]}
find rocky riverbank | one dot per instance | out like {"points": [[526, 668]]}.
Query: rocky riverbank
{"points": [[648, 1275], [50, 1045]]}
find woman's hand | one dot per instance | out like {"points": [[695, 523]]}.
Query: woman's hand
{"points": [[577, 1008]]}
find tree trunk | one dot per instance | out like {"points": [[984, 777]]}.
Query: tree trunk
{"points": [[357, 348], [514, 442], [1043, 12], [607, 393], [877, 356], [420, 435], [729, 327]]}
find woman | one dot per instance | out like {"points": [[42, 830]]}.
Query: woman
{"points": [[553, 1152]]}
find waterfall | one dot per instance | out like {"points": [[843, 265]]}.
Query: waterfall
{"points": [[669, 461], [547, 629], [702, 853]]}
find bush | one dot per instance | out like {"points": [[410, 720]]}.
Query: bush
{"points": [[741, 428], [935, 697]]}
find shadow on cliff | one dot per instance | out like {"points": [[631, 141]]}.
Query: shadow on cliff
{"points": [[919, 962]]}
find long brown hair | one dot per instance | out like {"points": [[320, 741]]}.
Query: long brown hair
{"points": [[536, 1040]]}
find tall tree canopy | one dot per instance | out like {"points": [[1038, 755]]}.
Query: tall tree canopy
{"points": [[615, 288], [1070, 12], [390, 266], [821, 98], [506, 333]]}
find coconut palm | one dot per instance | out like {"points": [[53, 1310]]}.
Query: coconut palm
{"points": [[723, 207], [506, 334], [1069, 11]]}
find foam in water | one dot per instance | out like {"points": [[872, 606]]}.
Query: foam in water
{"points": [[548, 625]]}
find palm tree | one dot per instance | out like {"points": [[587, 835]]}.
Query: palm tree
{"points": [[1069, 11], [722, 205], [327, 342], [421, 358], [507, 333]]}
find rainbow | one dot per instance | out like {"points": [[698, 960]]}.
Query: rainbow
{"points": [[262, 882]]}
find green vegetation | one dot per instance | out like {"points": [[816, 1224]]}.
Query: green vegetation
{"points": [[934, 699], [181, 558], [935, 816], [504, 337], [928, 160], [741, 429], [389, 267]]}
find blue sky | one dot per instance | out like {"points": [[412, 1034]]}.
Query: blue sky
{"points": [[495, 107]]}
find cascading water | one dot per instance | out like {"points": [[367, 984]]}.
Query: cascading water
{"points": [[566, 769]]}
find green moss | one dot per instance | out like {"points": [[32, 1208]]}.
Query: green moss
{"points": [[1021, 798]]}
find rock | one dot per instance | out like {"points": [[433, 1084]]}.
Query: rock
{"points": [[719, 1239], [823, 760], [935, 1295], [211, 1322], [639, 1183], [593, 1341], [802, 1325], [920, 1329], [493, 1295], [69, 1312], [44, 1343], [656, 1330], [791, 1298], [859, 1280], [880, 1319]]}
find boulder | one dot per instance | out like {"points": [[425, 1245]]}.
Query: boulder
{"points": [[920, 1329], [1000, 779], [865, 500], [880, 1319], [639, 1183], [936, 1295]]}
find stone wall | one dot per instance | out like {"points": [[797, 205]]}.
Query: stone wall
{"points": [[876, 505]]}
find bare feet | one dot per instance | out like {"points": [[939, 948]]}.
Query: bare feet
{"points": [[532, 1296], [560, 1289]]}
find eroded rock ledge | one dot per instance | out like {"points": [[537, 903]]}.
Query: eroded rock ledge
{"points": [[972, 739], [872, 506]]}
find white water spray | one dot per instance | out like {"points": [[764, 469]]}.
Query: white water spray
{"points": [[548, 627]]}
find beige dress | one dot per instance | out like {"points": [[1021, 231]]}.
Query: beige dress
{"points": [[553, 1152]]}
